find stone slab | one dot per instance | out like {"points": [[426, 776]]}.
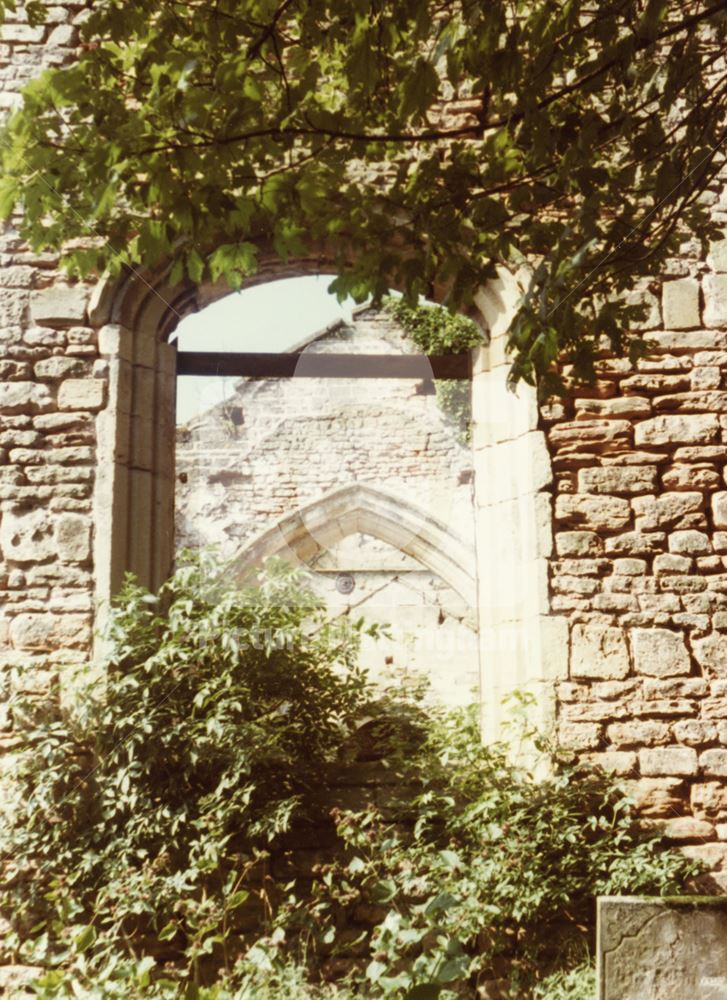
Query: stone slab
{"points": [[662, 949]]}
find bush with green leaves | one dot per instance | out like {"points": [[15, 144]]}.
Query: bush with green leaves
{"points": [[146, 808], [435, 330], [149, 809], [484, 873]]}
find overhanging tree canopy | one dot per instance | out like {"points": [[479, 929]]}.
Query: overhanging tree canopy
{"points": [[421, 142]]}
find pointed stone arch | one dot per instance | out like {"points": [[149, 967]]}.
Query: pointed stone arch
{"points": [[521, 642], [360, 507]]}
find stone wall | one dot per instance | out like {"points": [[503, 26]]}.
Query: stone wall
{"points": [[600, 556], [640, 563], [276, 446], [51, 387]]}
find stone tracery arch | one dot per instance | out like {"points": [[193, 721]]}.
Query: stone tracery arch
{"points": [[360, 507]]}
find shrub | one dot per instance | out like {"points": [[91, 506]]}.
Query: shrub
{"points": [[148, 806], [484, 873], [150, 809]]}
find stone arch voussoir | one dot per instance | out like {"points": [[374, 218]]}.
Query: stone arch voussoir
{"points": [[359, 507]]}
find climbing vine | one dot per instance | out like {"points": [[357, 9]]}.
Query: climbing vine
{"points": [[435, 330]]}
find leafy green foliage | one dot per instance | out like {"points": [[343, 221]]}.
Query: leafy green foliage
{"points": [[149, 811], [435, 330], [486, 874], [578, 983], [417, 145], [149, 806]]}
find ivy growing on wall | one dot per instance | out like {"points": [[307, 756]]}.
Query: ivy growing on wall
{"points": [[435, 330]]}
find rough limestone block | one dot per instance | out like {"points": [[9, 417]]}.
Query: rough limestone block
{"points": [[715, 300], [578, 543], [711, 653], [26, 536], [618, 479], [82, 394], [719, 510], [695, 428], [629, 567], [622, 406], [706, 377], [585, 434], [654, 512], [657, 797], [714, 763], [13, 306], [672, 565], [64, 34], [639, 733], [689, 828], [24, 397], [615, 761], [651, 319], [661, 949], [694, 732], [580, 735], [23, 34], [701, 401], [61, 305], [73, 537], [668, 761], [717, 256], [659, 652], [592, 511], [48, 632], [636, 543], [689, 543], [688, 340], [58, 367], [598, 651], [680, 302], [688, 477]]}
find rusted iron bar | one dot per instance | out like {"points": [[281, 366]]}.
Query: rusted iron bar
{"points": [[309, 365]]}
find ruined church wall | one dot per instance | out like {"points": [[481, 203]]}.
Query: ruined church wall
{"points": [[639, 567], [601, 557], [275, 446], [52, 385]]}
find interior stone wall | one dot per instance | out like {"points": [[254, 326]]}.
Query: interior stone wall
{"points": [[276, 446]]}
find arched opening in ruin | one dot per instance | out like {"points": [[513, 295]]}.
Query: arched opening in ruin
{"points": [[314, 529], [519, 643], [365, 481]]}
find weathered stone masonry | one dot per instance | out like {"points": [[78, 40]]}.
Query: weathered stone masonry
{"points": [[640, 562], [601, 523], [50, 389]]}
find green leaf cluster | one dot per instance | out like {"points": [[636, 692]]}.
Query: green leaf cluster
{"points": [[149, 810], [485, 874], [415, 145], [435, 330]]}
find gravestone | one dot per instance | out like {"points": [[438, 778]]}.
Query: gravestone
{"points": [[662, 949]]}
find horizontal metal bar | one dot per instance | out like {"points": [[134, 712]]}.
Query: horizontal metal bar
{"points": [[309, 365]]}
